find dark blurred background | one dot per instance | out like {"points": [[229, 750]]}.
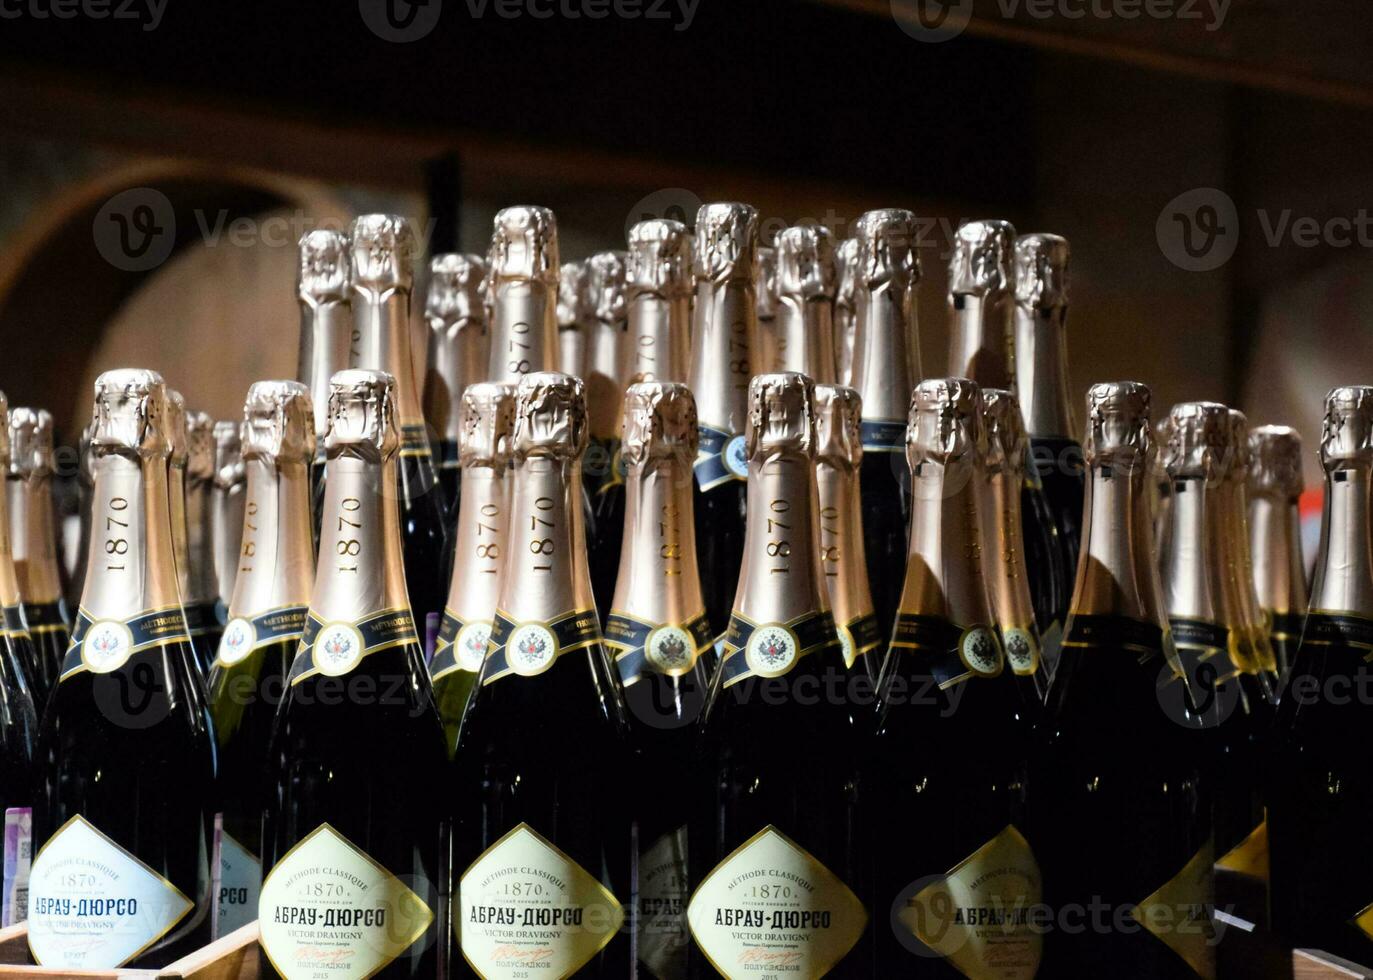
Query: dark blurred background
{"points": [[1210, 161]]}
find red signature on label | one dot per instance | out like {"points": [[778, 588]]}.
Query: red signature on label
{"points": [[314, 954], [519, 954]]}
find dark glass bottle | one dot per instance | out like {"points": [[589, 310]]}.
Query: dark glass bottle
{"points": [[773, 851], [662, 644], [381, 277], [885, 343], [455, 310], [125, 764], [982, 301], [267, 614], [1121, 814], [34, 543], [1320, 799], [227, 522], [1041, 379], [1224, 656], [724, 338], [354, 833], [329, 342], [482, 535], [954, 902], [18, 721], [541, 842], [607, 376], [1004, 556], [1275, 484]]}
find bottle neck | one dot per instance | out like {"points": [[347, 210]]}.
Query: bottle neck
{"points": [[329, 343], [176, 515], [605, 377], [229, 510], [276, 557], [9, 583], [457, 358], [1116, 575], [780, 578], [482, 542], [200, 541], [944, 574], [546, 574], [129, 566], [658, 580], [979, 342], [1009, 582], [382, 322], [805, 337], [884, 340], [524, 330], [1275, 545], [1344, 568], [360, 571], [658, 336], [1197, 560], [34, 540], [843, 345], [842, 558], [724, 339], [1041, 372], [572, 351]]}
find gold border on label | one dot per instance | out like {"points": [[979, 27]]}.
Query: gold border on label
{"points": [[190, 905], [546, 624], [455, 916], [366, 857]]}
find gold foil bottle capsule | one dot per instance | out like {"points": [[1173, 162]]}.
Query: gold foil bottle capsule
{"points": [[1347, 430], [488, 423], [1118, 425], [383, 251], [326, 316], [846, 278], [1040, 343], [278, 422], [724, 341], [524, 245], [726, 240], [200, 447], [362, 418], [523, 280], [659, 282], [134, 412], [30, 442], [980, 298], [945, 424], [806, 283], [781, 415], [550, 416], [455, 309], [33, 535], [886, 355], [1275, 462], [573, 319], [1198, 442], [660, 422]]}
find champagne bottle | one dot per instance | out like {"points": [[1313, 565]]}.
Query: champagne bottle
{"points": [[723, 337], [658, 283], [838, 461], [1004, 555], [267, 614], [607, 378], [572, 319], [230, 482], [542, 840], [381, 277], [662, 644], [178, 498], [772, 846], [805, 302], [846, 280], [954, 902], [18, 720], [523, 281], [486, 424], [84, 480], [458, 339], [1041, 379], [981, 297], [1128, 875], [202, 602], [353, 836], [1275, 484], [1320, 799], [328, 339], [887, 271], [1160, 496], [1219, 652], [125, 755], [34, 543], [769, 350]]}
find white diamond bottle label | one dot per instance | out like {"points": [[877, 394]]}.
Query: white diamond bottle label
{"points": [[328, 910], [527, 909], [238, 883], [770, 909], [662, 906], [93, 905]]}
